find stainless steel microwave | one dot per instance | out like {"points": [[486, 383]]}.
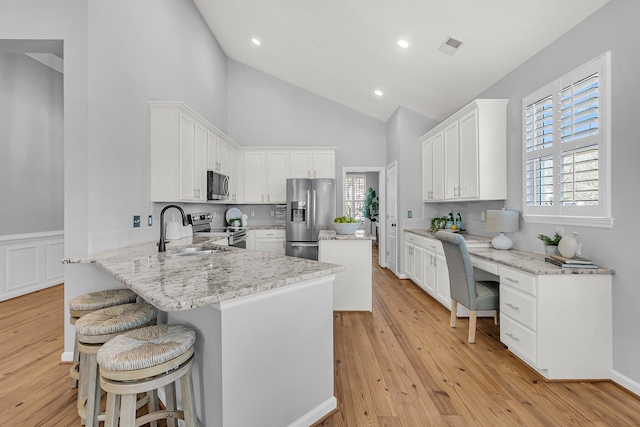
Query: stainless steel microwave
{"points": [[217, 186]]}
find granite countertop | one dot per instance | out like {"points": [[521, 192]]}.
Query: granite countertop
{"points": [[174, 283], [331, 235], [470, 239], [531, 262]]}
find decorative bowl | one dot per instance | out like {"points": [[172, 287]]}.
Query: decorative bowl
{"points": [[345, 228]]}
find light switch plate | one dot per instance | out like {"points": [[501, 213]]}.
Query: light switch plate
{"points": [[150, 220], [136, 221], [409, 214]]}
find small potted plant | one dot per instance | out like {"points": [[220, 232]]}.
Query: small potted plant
{"points": [[550, 244]]}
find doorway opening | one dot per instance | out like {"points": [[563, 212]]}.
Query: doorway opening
{"points": [[374, 177]]}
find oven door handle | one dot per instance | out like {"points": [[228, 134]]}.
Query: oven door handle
{"points": [[304, 245]]}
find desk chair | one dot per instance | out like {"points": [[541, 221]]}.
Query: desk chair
{"points": [[470, 287]]}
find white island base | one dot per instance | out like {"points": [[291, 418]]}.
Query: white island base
{"points": [[265, 359]]}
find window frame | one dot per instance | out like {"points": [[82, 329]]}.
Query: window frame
{"points": [[354, 200], [589, 216]]}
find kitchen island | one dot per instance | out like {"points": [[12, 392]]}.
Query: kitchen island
{"points": [[264, 349], [353, 288]]}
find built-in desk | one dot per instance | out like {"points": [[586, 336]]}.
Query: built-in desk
{"points": [[557, 320]]}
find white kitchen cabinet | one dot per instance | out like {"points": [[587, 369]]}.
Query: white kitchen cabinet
{"points": [[442, 285], [272, 241], [251, 240], [414, 258], [183, 148], [178, 154], [433, 168], [559, 324], [313, 164], [265, 176], [474, 154]]}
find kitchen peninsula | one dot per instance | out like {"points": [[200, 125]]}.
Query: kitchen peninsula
{"points": [[264, 349]]}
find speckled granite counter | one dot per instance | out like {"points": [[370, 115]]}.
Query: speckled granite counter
{"points": [[332, 235], [174, 283], [531, 262], [469, 238]]}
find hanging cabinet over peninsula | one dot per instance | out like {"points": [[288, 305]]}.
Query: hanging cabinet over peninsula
{"points": [[465, 156]]}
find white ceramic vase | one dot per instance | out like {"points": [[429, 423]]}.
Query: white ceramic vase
{"points": [[568, 247]]}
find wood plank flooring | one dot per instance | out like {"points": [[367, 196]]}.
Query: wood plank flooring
{"points": [[402, 365], [399, 366]]}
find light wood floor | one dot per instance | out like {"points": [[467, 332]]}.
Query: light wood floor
{"points": [[399, 366]]}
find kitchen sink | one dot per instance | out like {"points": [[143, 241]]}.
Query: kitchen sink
{"points": [[192, 251]]}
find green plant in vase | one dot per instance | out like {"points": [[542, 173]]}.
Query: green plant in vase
{"points": [[550, 243], [370, 209]]}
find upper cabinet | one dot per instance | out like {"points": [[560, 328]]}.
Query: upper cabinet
{"points": [[265, 176], [313, 163], [465, 157], [183, 147]]}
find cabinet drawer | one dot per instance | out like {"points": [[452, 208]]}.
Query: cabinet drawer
{"points": [[517, 279], [433, 245], [484, 265], [518, 306], [268, 234], [519, 339], [413, 239]]}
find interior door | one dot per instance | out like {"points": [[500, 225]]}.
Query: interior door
{"points": [[392, 214]]}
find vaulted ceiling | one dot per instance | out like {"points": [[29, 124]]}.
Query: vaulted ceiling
{"points": [[344, 50]]}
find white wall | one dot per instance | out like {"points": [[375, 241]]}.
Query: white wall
{"points": [[31, 131], [614, 28], [404, 128], [266, 111]]}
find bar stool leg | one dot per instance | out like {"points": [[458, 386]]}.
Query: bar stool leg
{"points": [[93, 396], [128, 410], [152, 406], [112, 412], [188, 402], [170, 393], [75, 364]]}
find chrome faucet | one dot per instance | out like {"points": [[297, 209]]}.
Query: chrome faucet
{"points": [[161, 243]]}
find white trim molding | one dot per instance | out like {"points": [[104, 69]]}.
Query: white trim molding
{"points": [[584, 221], [30, 262], [626, 382]]}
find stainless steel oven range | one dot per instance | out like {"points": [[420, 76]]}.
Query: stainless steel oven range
{"points": [[202, 223]]}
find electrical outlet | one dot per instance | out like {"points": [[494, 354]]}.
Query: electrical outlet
{"points": [[136, 221], [253, 213], [150, 220], [482, 216], [273, 213], [215, 215], [409, 214]]}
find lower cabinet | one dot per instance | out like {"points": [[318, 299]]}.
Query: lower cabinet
{"points": [[272, 241]]}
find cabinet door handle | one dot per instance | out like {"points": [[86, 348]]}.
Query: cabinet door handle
{"points": [[511, 280], [513, 337], [515, 307]]}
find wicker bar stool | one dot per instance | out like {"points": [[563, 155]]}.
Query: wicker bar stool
{"points": [[95, 329], [90, 302], [144, 360]]}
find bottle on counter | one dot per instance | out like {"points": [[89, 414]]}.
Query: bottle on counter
{"points": [[458, 221], [450, 219]]}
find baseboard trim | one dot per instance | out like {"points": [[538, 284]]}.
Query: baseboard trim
{"points": [[626, 382], [317, 413], [66, 357]]}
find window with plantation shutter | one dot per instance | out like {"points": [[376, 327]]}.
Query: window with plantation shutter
{"points": [[354, 195], [566, 145]]}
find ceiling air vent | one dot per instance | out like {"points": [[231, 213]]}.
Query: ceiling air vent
{"points": [[450, 46]]}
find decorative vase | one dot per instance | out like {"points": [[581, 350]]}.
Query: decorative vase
{"points": [[568, 246], [551, 250]]}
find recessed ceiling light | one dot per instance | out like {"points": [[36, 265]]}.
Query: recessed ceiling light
{"points": [[378, 92], [256, 41], [403, 44]]}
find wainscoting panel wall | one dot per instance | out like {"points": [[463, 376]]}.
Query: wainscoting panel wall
{"points": [[29, 262]]}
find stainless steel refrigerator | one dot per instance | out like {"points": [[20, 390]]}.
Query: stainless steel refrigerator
{"points": [[311, 207]]}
